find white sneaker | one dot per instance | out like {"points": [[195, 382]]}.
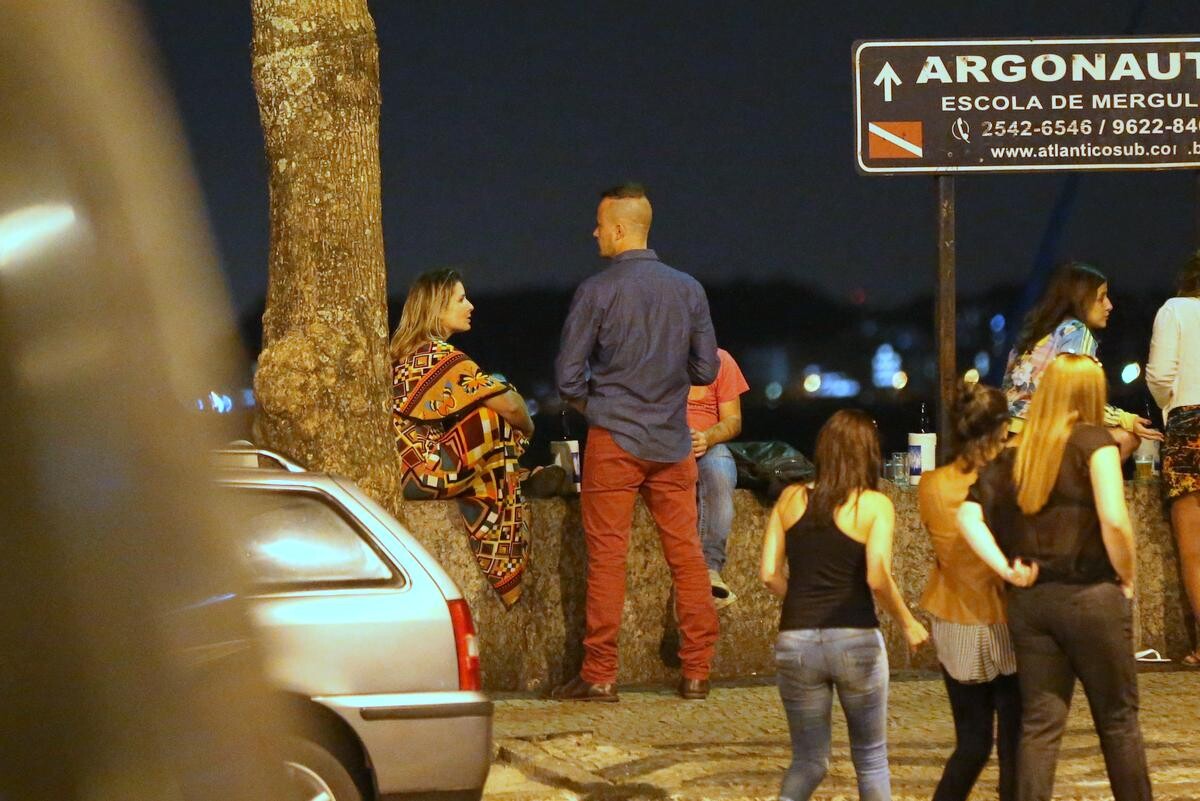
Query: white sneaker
{"points": [[722, 595]]}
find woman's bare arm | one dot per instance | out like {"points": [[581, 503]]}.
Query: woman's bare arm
{"points": [[773, 566], [879, 572], [1116, 528], [511, 406], [983, 543]]}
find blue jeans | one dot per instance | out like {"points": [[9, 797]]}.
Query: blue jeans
{"points": [[714, 503], [809, 664]]}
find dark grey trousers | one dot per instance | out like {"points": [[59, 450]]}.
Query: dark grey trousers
{"points": [[1062, 632]]}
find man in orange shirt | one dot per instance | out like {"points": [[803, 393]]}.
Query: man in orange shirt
{"points": [[714, 416]]}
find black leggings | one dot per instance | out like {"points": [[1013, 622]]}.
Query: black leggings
{"points": [[978, 710]]}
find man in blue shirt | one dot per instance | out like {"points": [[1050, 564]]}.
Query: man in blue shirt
{"points": [[637, 337]]}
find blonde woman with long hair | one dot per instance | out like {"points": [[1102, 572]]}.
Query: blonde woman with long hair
{"points": [[1056, 503], [460, 430]]}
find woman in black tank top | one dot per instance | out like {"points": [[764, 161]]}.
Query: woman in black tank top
{"points": [[828, 552]]}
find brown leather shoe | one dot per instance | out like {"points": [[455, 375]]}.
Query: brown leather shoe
{"points": [[578, 689], [693, 689]]}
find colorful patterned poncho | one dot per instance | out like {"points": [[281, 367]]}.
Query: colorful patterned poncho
{"points": [[453, 446]]}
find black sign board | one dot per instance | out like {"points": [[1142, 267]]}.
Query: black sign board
{"points": [[1026, 105]]}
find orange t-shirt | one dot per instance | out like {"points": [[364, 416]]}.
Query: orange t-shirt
{"points": [[702, 403]]}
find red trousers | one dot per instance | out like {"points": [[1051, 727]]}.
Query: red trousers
{"points": [[612, 479]]}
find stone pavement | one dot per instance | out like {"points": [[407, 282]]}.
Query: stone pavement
{"points": [[653, 745]]}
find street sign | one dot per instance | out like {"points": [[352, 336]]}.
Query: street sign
{"points": [[1027, 105]]}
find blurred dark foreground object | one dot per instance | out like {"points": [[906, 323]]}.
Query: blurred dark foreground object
{"points": [[768, 467], [127, 667]]}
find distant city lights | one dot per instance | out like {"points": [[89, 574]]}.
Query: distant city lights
{"points": [[884, 365], [773, 391], [829, 385], [899, 379], [1130, 372], [837, 385], [971, 376], [997, 323], [983, 362]]}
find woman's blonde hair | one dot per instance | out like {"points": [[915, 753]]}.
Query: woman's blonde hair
{"points": [[421, 319], [1072, 390]]}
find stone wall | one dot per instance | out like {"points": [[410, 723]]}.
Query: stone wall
{"points": [[537, 644]]}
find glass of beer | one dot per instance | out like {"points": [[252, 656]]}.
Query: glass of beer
{"points": [[1143, 468]]}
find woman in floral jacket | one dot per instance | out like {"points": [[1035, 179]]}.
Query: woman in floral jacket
{"points": [[1075, 305]]}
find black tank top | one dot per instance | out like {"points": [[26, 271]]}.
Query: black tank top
{"points": [[827, 579]]}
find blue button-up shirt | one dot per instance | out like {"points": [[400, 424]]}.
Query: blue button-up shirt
{"points": [[638, 335]]}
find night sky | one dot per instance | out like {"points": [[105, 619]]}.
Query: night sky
{"points": [[501, 121]]}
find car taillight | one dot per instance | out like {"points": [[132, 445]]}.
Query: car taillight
{"points": [[466, 642]]}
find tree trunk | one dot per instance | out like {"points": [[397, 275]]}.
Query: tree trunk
{"points": [[324, 376]]}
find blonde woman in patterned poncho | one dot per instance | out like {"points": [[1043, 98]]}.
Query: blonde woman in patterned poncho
{"points": [[460, 430]]}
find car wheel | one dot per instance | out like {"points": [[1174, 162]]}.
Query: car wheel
{"points": [[314, 774]]}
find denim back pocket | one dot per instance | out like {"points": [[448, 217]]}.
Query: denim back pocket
{"points": [[789, 656], [793, 673], [862, 666]]}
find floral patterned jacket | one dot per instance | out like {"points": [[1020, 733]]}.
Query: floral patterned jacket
{"points": [[1025, 369]]}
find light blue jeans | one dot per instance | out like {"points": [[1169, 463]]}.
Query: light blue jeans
{"points": [[809, 664], [714, 503]]}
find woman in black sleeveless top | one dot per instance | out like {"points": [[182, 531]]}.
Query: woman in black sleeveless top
{"points": [[828, 552], [1057, 502]]}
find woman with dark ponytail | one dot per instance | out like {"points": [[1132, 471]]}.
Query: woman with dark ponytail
{"points": [[966, 599]]}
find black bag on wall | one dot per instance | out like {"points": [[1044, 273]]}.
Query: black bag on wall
{"points": [[768, 467]]}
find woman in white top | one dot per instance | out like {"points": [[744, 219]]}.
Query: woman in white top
{"points": [[1173, 376]]}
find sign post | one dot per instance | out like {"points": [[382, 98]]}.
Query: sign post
{"points": [[946, 107], [945, 319]]}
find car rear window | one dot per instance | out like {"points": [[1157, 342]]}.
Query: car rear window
{"points": [[289, 538]]}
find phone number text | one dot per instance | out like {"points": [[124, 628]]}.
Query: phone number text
{"points": [[1121, 127]]}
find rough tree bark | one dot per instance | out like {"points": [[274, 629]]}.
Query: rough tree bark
{"points": [[324, 379]]}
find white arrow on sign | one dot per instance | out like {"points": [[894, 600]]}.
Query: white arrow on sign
{"points": [[888, 77]]}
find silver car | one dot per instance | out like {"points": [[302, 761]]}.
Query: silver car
{"points": [[368, 640]]}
